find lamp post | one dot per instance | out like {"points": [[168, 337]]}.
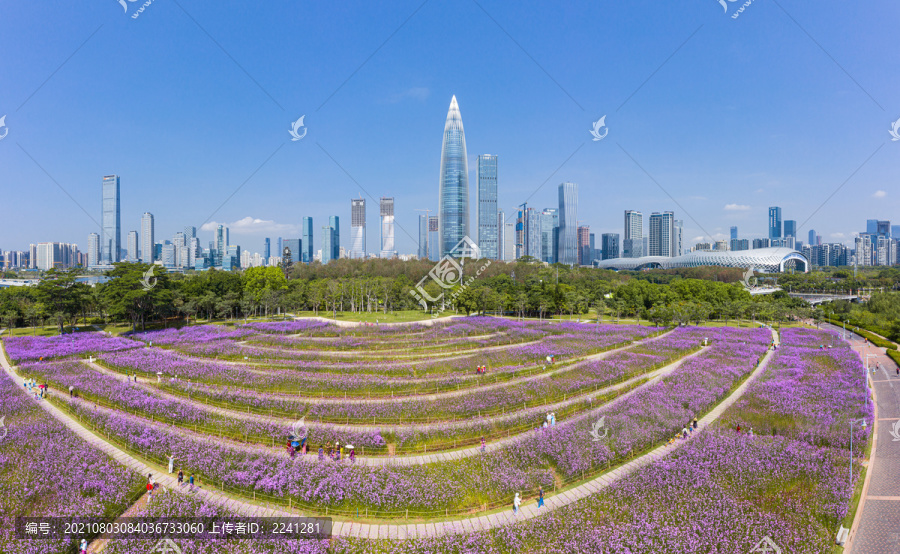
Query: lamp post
{"points": [[862, 422]]}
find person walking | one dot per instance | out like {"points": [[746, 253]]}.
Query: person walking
{"points": [[171, 464], [695, 423], [321, 453], [352, 455], [483, 445], [750, 432], [83, 548], [71, 391], [180, 477], [150, 489], [516, 502], [690, 428], [541, 497], [684, 432]]}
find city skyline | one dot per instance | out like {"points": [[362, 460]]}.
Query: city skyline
{"points": [[751, 139]]}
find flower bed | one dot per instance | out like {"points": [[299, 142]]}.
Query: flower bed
{"points": [[809, 338], [22, 349], [48, 471]]}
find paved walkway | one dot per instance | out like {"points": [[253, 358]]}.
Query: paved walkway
{"points": [[876, 529], [408, 531]]}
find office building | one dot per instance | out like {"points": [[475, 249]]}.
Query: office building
{"points": [[509, 236], [740, 244], [734, 232], [584, 245], [453, 208], [147, 238], [291, 250], [774, 224], [387, 228], [549, 229], [358, 228], [812, 237], [58, 255], [423, 237], [633, 239], [221, 246], [609, 245], [790, 228], [190, 232], [434, 239], [534, 239], [132, 245], [110, 237], [662, 234], [760, 243], [306, 235], [871, 226], [678, 238], [327, 244], [335, 223], [93, 249], [168, 255], [567, 251], [486, 207], [267, 249], [231, 261], [501, 236]]}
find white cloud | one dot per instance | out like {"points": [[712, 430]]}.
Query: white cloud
{"points": [[736, 207], [837, 235], [415, 93], [253, 226], [697, 239], [879, 194]]}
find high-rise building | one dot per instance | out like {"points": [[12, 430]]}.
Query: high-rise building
{"points": [[595, 254], [734, 232], [678, 239], [790, 228], [132, 246], [533, 240], [871, 226], [56, 255], [568, 224], [423, 237], [358, 228], [93, 249], [761, 243], [110, 238], [293, 248], [883, 228], [549, 226], [307, 236], [774, 224], [232, 259], [335, 223], [609, 245], [190, 232], [327, 244], [168, 255], [221, 245], [509, 236], [267, 250], [434, 238], [181, 253], [633, 239], [584, 245], [486, 206], [453, 208], [387, 228], [812, 237], [501, 236], [147, 238], [662, 234], [895, 232]]}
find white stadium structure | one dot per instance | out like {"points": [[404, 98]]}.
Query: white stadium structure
{"points": [[765, 260]]}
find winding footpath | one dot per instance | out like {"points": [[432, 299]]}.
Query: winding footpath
{"points": [[244, 507]]}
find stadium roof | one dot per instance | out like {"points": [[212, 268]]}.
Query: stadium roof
{"points": [[766, 260]]}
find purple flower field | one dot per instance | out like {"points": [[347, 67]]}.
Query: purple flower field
{"points": [[22, 349], [47, 470]]}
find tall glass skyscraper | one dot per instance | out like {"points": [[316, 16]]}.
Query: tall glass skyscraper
{"points": [[662, 234], [147, 238], [335, 223], [774, 223], [633, 240], [609, 245], [434, 240], [358, 228], [453, 208], [486, 206], [549, 222], [423, 237], [567, 250], [111, 238], [307, 237], [387, 228], [132, 246], [93, 249]]}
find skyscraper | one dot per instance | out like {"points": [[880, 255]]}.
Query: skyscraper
{"points": [[734, 232], [609, 245], [294, 246], [434, 238], [267, 250], [453, 194], [221, 245], [568, 216], [147, 238], [93, 249], [633, 240], [335, 223], [307, 236], [110, 238], [774, 224], [423, 237], [812, 237], [790, 228], [549, 226], [501, 236], [678, 238], [871, 226], [584, 245], [533, 242], [509, 246], [327, 243], [358, 228], [387, 227], [132, 246], [486, 205], [662, 234], [190, 232]]}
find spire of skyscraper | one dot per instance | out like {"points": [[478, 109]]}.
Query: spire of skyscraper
{"points": [[453, 208]]}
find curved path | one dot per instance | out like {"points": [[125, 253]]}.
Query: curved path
{"points": [[244, 507]]}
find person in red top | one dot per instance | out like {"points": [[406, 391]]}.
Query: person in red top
{"points": [[150, 488]]}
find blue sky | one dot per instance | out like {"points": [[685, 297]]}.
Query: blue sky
{"points": [[194, 98]]}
